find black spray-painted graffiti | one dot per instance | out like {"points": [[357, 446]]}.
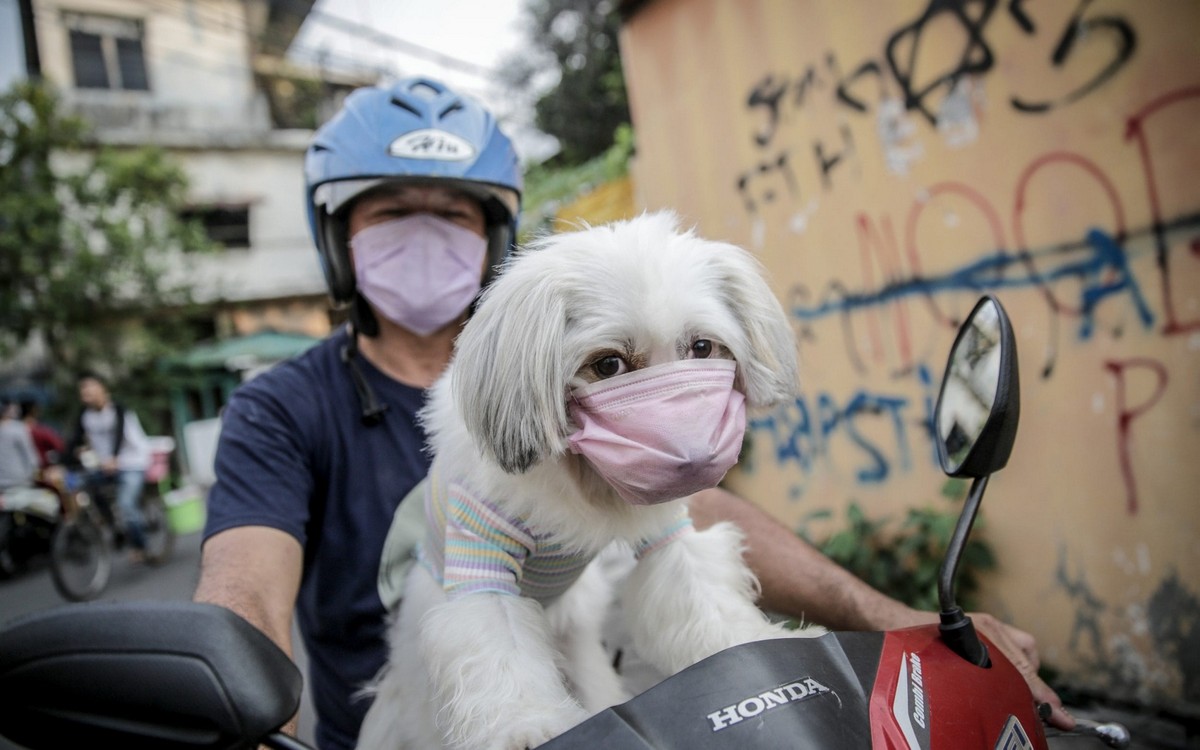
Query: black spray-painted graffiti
{"points": [[1079, 27], [920, 86], [1088, 611], [1172, 621], [1174, 615]]}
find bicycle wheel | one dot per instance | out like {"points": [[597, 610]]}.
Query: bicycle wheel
{"points": [[81, 556], [160, 540]]}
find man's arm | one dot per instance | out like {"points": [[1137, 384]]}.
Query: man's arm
{"points": [[254, 571], [799, 581]]}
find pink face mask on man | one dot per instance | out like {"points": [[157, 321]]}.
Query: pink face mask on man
{"points": [[419, 271], [663, 432]]}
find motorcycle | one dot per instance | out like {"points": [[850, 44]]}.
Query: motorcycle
{"points": [[186, 675], [28, 519], [82, 547]]}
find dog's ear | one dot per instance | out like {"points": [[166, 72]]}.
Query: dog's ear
{"points": [[508, 373], [768, 366]]}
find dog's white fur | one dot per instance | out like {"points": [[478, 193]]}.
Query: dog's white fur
{"points": [[497, 671]]}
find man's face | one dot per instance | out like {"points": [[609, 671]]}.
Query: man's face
{"points": [[92, 393], [394, 202]]}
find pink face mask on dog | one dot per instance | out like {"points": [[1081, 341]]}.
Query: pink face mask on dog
{"points": [[663, 432]]}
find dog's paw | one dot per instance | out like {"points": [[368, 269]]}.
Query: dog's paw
{"points": [[533, 730], [602, 694], [804, 631], [771, 630]]}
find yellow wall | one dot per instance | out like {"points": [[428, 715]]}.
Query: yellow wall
{"points": [[887, 163], [307, 316], [607, 202]]}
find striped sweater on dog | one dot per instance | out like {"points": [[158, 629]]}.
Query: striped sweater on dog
{"points": [[471, 545]]}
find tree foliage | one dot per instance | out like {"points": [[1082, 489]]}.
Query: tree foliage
{"points": [[578, 39], [904, 560], [87, 236], [548, 187]]}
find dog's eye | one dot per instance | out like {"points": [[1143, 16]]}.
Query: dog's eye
{"points": [[607, 367], [702, 349]]}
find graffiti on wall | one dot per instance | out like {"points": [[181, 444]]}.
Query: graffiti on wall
{"points": [[878, 429], [899, 81], [1112, 277], [1075, 279], [1170, 619]]}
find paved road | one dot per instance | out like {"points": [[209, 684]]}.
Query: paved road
{"points": [[33, 591]]}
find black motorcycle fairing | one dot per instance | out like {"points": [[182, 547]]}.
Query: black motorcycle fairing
{"points": [[143, 675], [812, 692]]}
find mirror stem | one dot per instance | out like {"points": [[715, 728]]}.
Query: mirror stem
{"points": [[958, 541], [956, 628]]}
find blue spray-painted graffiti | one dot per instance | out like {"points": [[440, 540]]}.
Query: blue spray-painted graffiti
{"points": [[878, 428], [1104, 268]]}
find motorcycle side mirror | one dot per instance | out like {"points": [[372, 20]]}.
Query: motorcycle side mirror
{"points": [[975, 424], [980, 402], [178, 675]]}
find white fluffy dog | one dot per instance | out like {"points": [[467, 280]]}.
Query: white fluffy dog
{"points": [[599, 382]]}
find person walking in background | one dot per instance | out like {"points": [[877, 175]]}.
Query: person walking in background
{"points": [[114, 450], [49, 444], [18, 456], [20, 494]]}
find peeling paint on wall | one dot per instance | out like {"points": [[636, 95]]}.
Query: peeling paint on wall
{"points": [[898, 134], [956, 119], [1174, 617]]}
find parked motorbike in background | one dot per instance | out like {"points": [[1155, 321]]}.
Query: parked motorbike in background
{"points": [[28, 518], [182, 675]]}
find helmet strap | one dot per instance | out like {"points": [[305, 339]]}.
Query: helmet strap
{"points": [[372, 409], [362, 317], [339, 272], [500, 238]]}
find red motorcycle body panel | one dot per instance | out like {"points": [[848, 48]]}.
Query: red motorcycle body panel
{"points": [[925, 697]]}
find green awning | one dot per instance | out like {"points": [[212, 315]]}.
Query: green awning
{"points": [[243, 352]]}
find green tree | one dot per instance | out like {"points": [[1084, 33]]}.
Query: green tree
{"points": [[87, 235], [577, 40], [904, 560]]}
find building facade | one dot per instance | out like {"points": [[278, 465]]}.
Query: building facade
{"points": [[210, 83], [201, 80]]}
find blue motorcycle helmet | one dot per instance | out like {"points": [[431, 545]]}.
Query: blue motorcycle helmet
{"points": [[415, 131]]}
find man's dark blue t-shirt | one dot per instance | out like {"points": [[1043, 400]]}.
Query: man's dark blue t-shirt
{"points": [[294, 455]]}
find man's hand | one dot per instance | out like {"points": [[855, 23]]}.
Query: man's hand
{"points": [[1021, 649]]}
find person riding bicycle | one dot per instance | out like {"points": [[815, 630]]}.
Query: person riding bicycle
{"points": [[112, 447]]}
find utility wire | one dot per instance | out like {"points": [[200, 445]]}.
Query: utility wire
{"points": [[391, 40], [203, 16], [214, 18]]}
